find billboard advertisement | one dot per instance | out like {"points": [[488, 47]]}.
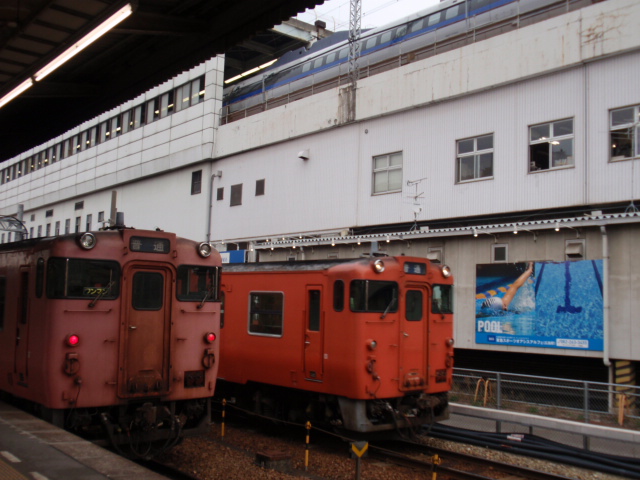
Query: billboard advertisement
{"points": [[540, 304]]}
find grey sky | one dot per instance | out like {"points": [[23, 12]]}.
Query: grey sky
{"points": [[374, 12]]}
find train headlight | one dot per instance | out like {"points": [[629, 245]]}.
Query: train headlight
{"points": [[72, 340], [446, 271], [378, 266], [209, 337], [204, 250], [87, 241], [372, 344]]}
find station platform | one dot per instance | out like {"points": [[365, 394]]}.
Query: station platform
{"points": [[32, 449]]}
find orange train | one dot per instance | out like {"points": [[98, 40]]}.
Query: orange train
{"points": [[113, 329], [365, 345]]}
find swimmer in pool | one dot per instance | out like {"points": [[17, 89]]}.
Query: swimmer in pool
{"points": [[497, 303]]}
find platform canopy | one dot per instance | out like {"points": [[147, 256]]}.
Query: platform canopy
{"points": [[158, 40]]}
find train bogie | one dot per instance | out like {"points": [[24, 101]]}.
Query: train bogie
{"points": [[364, 344]]}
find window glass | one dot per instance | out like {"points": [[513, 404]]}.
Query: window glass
{"points": [[80, 278], [442, 299], [373, 296], [452, 12], [414, 304], [198, 283], [475, 158], [196, 182], [625, 133], [338, 295], [415, 26], [551, 145], [433, 19], [236, 195], [622, 116], [147, 291], [314, 310], [387, 173], [266, 313]]}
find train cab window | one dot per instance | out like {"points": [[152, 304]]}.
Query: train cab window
{"points": [[374, 296], [266, 313], [83, 279], [414, 302], [148, 291], [338, 295], [198, 284], [442, 299]]}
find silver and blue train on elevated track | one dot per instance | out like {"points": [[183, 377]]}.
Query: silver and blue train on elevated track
{"points": [[450, 24]]}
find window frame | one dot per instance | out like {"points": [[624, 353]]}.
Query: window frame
{"points": [[253, 311], [552, 140], [634, 133], [386, 170], [476, 153]]}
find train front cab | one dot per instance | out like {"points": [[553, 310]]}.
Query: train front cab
{"points": [[401, 308]]}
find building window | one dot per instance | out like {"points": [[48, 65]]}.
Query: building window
{"points": [[475, 158], [31, 232], [387, 173], [259, 187], [551, 145], [48, 213], [78, 220], [220, 194], [89, 220], [100, 217], [57, 229], [79, 205], [67, 226], [499, 253], [39, 231], [236, 195], [48, 230], [625, 133], [196, 182]]}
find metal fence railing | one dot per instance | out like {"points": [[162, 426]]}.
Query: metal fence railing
{"points": [[582, 401]]}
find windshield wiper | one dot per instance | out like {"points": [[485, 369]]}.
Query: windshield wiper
{"points": [[391, 304], [207, 295], [102, 293]]}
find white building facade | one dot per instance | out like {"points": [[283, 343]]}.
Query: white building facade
{"points": [[535, 131]]}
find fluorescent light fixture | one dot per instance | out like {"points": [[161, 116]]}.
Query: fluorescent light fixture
{"points": [[15, 92], [249, 72], [85, 41]]}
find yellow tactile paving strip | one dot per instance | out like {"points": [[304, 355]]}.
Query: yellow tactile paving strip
{"points": [[7, 472]]}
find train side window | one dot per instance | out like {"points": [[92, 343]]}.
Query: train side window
{"points": [[415, 26], [442, 299], [3, 300], [434, 19], [338, 295], [314, 310], [331, 57], [222, 303], [452, 12], [414, 303], [266, 311], [148, 291]]}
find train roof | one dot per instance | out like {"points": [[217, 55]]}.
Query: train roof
{"points": [[306, 265]]}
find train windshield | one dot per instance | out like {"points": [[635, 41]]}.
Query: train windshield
{"points": [[442, 301], [374, 296], [81, 278], [198, 284]]}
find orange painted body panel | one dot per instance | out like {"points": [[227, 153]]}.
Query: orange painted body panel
{"points": [[410, 355], [123, 355]]}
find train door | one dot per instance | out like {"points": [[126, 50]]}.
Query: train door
{"points": [[144, 359], [314, 334], [413, 338], [22, 329]]}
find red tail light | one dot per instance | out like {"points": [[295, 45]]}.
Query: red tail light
{"points": [[72, 340], [209, 337]]}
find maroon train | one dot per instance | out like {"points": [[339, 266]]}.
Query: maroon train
{"points": [[112, 329]]}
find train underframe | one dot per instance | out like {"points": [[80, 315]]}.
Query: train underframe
{"points": [[409, 411], [142, 429]]}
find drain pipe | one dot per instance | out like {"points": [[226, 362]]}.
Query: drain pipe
{"points": [[605, 294], [216, 174]]}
